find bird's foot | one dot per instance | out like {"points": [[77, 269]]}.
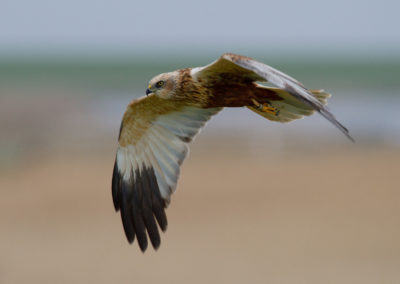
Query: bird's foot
{"points": [[266, 107], [270, 109]]}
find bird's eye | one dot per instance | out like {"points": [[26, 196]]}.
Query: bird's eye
{"points": [[159, 84]]}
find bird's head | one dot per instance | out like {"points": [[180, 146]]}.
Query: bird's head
{"points": [[163, 85]]}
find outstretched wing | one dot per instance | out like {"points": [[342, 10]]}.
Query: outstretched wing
{"points": [[152, 145], [243, 69]]}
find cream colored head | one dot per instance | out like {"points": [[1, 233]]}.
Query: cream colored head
{"points": [[163, 85]]}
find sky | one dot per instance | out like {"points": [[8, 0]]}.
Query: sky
{"points": [[48, 26]]}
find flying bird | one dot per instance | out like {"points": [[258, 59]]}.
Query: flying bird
{"points": [[157, 128]]}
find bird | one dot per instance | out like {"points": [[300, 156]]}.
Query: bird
{"points": [[156, 129]]}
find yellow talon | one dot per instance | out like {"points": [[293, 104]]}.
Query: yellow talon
{"points": [[266, 108], [270, 109]]}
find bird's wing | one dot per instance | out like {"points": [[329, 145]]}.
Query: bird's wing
{"points": [[244, 69], [153, 143]]}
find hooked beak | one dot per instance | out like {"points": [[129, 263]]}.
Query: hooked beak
{"points": [[148, 91]]}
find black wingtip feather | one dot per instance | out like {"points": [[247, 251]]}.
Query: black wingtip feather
{"points": [[116, 187], [126, 212], [148, 215], [158, 202], [137, 210], [141, 205]]}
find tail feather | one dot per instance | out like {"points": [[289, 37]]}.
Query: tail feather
{"points": [[321, 95]]}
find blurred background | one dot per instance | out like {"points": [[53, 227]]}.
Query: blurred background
{"points": [[257, 201]]}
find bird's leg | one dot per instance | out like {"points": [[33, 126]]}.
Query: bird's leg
{"points": [[266, 107]]}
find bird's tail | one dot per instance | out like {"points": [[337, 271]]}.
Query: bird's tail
{"points": [[286, 109]]}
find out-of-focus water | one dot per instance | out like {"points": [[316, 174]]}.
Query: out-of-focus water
{"points": [[47, 105], [370, 119]]}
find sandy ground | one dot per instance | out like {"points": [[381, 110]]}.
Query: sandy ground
{"points": [[236, 218]]}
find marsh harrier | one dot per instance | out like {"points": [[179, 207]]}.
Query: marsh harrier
{"points": [[156, 129]]}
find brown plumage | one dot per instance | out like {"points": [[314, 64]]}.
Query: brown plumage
{"points": [[155, 130]]}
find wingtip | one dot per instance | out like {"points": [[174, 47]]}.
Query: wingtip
{"points": [[344, 130], [143, 246], [331, 118], [350, 138], [130, 238], [156, 246]]}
